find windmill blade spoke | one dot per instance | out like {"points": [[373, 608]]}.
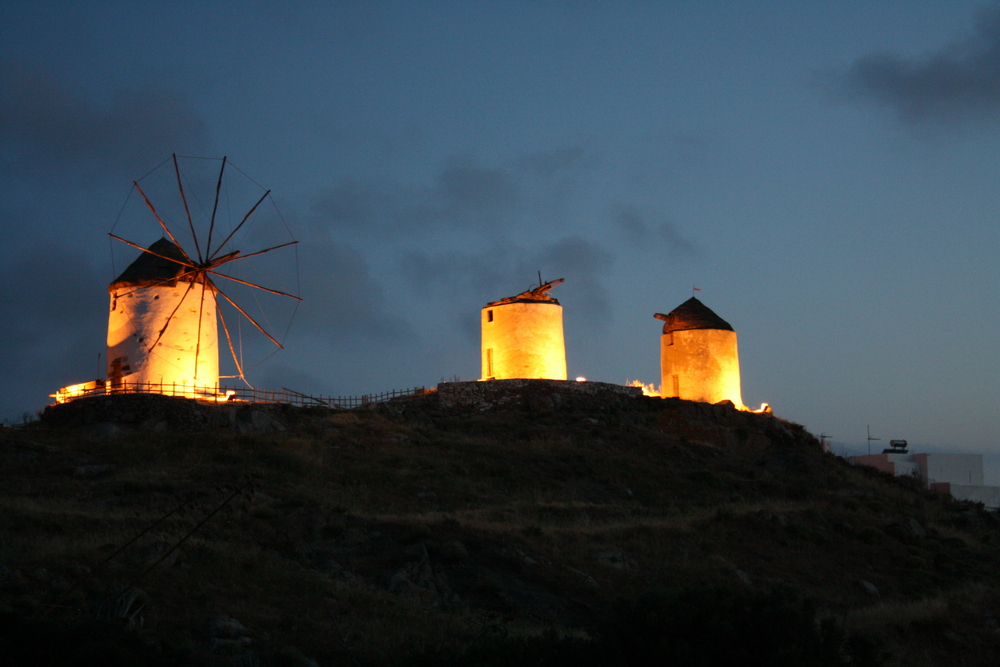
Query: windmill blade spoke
{"points": [[197, 344], [236, 255], [171, 316], [159, 220], [215, 207], [228, 257], [188, 263], [161, 274], [229, 340], [159, 283], [250, 284], [245, 218], [180, 186], [252, 320]]}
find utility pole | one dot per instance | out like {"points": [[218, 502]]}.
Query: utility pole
{"points": [[822, 440], [870, 438]]}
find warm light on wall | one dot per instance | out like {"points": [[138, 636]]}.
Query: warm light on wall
{"points": [[100, 387], [647, 389], [701, 365], [163, 325], [152, 340], [522, 337], [699, 356], [66, 394]]}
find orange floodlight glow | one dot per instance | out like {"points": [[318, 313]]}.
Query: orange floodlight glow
{"points": [[647, 389]]}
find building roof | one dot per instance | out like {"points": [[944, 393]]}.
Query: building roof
{"points": [[159, 269], [539, 294], [692, 314]]}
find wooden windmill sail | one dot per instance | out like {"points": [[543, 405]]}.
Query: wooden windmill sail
{"points": [[167, 304]]}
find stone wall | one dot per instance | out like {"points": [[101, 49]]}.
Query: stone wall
{"points": [[155, 412], [494, 395]]}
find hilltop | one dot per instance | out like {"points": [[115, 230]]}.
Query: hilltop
{"points": [[568, 526]]}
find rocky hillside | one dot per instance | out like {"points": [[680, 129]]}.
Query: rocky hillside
{"points": [[488, 524]]}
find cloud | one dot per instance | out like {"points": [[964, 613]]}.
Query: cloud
{"points": [[959, 82], [50, 323], [642, 229], [585, 264], [463, 194], [550, 163], [356, 206], [466, 187], [48, 284], [504, 270], [45, 122], [342, 300]]}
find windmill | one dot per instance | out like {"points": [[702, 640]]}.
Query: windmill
{"points": [[167, 304]]}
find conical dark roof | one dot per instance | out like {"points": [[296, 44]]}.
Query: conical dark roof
{"points": [[149, 269], [692, 314]]}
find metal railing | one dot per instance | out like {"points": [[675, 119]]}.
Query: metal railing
{"points": [[222, 394]]}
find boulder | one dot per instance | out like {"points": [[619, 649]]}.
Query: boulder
{"points": [[869, 587], [226, 627], [614, 559]]}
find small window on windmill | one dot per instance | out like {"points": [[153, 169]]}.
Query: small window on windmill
{"points": [[489, 361], [670, 338], [677, 385], [489, 315]]}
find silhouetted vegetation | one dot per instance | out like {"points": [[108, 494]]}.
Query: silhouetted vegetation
{"points": [[695, 627], [412, 534]]}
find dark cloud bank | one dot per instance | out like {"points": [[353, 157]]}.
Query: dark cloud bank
{"points": [[50, 323], [46, 122], [957, 83]]}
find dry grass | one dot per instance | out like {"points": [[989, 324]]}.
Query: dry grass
{"points": [[511, 511], [896, 614]]}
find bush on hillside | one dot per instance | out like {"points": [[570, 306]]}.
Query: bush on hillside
{"points": [[695, 627]]}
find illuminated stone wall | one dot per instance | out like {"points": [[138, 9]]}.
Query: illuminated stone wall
{"points": [[136, 318], [700, 365], [535, 395], [523, 340]]}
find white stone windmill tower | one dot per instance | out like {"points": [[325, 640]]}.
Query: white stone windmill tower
{"points": [[522, 336], [699, 355], [165, 306]]}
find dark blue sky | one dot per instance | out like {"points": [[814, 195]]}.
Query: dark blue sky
{"points": [[827, 173]]}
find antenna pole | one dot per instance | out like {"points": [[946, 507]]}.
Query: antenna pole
{"points": [[539, 278], [870, 438]]}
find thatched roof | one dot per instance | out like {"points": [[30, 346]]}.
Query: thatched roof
{"points": [[149, 269], [692, 314]]}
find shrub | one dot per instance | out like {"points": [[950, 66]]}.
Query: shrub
{"points": [[705, 477], [695, 627]]}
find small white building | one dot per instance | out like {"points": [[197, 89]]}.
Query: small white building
{"points": [[961, 475]]}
